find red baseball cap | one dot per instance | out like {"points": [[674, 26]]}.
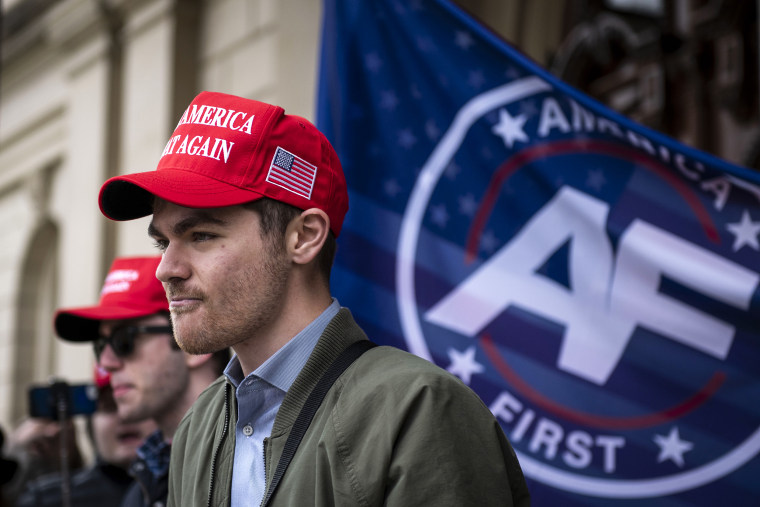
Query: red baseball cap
{"points": [[228, 150], [130, 291]]}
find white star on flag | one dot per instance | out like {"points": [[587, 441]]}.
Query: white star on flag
{"points": [[468, 205], [406, 139], [463, 364], [489, 241], [431, 130], [439, 215], [672, 447], [425, 44], [476, 79], [373, 62], [746, 232], [509, 128], [392, 188], [595, 179], [464, 40], [452, 170], [388, 100]]}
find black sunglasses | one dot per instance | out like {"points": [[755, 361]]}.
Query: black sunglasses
{"points": [[122, 339]]}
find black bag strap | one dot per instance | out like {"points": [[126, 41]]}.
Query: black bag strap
{"points": [[343, 361]]}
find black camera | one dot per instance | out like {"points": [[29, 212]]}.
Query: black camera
{"points": [[59, 398]]}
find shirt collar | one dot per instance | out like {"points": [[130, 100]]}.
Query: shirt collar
{"points": [[282, 368], [155, 452]]}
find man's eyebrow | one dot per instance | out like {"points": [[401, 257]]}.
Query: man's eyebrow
{"points": [[152, 231], [196, 219]]}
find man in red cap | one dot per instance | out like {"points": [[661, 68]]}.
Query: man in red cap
{"points": [[247, 203], [149, 375]]}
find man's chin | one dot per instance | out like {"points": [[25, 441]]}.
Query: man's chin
{"points": [[189, 340], [185, 333], [193, 347]]}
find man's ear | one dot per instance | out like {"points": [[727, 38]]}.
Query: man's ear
{"points": [[307, 234]]}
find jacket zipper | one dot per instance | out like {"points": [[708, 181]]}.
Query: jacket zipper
{"points": [[221, 441], [264, 452]]}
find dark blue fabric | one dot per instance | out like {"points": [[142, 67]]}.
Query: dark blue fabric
{"points": [[151, 473], [155, 452]]}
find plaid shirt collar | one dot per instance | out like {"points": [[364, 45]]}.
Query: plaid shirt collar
{"points": [[155, 452]]}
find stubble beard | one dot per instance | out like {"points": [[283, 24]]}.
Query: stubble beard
{"points": [[240, 311]]}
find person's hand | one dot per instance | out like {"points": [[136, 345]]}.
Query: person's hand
{"points": [[40, 441]]}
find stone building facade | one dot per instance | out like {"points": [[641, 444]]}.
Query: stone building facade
{"points": [[91, 89]]}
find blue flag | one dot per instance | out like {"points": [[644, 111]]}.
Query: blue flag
{"points": [[594, 281]]}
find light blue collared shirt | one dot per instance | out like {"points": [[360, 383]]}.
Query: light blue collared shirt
{"points": [[259, 396]]}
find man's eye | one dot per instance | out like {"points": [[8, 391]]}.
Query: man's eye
{"points": [[202, 236], [161, 244]]}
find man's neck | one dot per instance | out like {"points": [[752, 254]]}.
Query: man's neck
{"points": [[254, 351]]}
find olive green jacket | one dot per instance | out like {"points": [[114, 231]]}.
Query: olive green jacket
{"points": [[393, 430]]}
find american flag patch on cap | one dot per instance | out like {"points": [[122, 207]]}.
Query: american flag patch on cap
{"points": [[292, 173]]}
